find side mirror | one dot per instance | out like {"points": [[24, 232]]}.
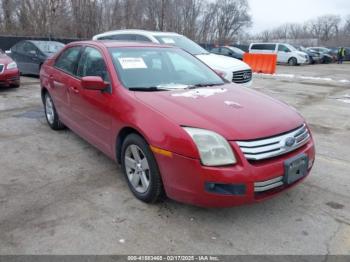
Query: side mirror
{"points": [[93, 83], [230, 54]]}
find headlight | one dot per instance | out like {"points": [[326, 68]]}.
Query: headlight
{"points": [[214, 150], [11, 65]]}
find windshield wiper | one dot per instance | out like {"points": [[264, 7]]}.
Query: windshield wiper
{"points": [[148, 89], [204, 85]]}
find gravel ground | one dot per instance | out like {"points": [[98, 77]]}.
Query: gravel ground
{"points": [[59, 195]]}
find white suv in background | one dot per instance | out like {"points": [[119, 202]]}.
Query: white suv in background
{"points": [[231, 69], [285, 53]]}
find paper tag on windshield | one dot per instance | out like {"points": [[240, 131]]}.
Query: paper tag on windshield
{"points": [[132, 63], [168, 41]]}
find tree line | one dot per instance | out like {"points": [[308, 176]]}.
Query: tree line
{"points": [[329, 30], [200, 20], [205, 21]]}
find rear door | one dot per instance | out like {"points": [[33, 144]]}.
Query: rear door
{"points": [[62, 76], [91, 109]]}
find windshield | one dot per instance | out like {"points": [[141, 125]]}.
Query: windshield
{"points": [[182, 42], [324, 50], [162, 68], [49, 46], [291, 48], [236, 50]]}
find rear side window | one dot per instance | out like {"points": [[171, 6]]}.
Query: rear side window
{"points": [[141, 38], [270, 47], [216, 50], [68, 60], [92, 64], [225, 51]]}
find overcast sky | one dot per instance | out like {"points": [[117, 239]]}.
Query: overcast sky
{"points": [[270, 13]]}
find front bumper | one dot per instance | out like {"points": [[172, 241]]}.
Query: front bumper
{"points": [[10, 78], [303, 60], [186, 180]]}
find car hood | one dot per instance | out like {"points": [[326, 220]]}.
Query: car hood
{"points": [[4, 59], [302, 53], [237, 113], [222, 62]]}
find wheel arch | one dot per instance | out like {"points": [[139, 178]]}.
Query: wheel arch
{"points": [[43, 93], [291, 58], [123, 133]]}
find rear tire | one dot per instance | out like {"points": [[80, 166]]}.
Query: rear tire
{"points": [[292, 61], [141, 170], [51, 113]]}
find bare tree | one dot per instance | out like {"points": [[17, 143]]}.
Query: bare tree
{"points": [[325, 27], [201, 20]]}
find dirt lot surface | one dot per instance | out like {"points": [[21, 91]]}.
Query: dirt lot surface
{"points": [[59, 195]]}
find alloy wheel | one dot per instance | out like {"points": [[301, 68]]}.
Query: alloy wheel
{"points": [[49, 110], [137, 168]]}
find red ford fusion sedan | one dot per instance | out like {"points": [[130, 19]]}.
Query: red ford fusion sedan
{"points": [[9, 73], [175, 126]]}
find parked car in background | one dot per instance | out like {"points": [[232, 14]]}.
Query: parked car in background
{"points": [[229, 51], [174, 125], [31, 54], [9, 73], [229, 68], [314, 57], [286, 53], [325, 54], [347, 54]]}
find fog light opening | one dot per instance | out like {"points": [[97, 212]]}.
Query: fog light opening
{"points": [[225, 189]]}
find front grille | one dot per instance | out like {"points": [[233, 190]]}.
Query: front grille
{"points": [[268, 184], [1, 68], [241, 77], [275, 146]]}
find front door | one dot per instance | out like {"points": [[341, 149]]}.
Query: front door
{"points": [[91, 109], [283, 54], [28, 58]]}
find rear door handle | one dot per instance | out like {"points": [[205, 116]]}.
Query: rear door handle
{"points": [[74, 89]]}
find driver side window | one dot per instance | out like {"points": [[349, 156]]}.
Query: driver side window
{"points": [[92, 64], [30, 48], [283, 48]]}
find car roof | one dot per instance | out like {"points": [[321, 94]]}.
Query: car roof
{"points": [[114, 43], [42, 41], [136, 31]]}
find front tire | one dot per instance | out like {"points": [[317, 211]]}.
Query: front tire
{"points": [[51, 113], [292, 61], [141, 170]]}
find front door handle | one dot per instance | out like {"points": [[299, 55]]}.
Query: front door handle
{"points": [[74, 89]]}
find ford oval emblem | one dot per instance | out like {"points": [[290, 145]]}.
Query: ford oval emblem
{"points": [[290, 141]]}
